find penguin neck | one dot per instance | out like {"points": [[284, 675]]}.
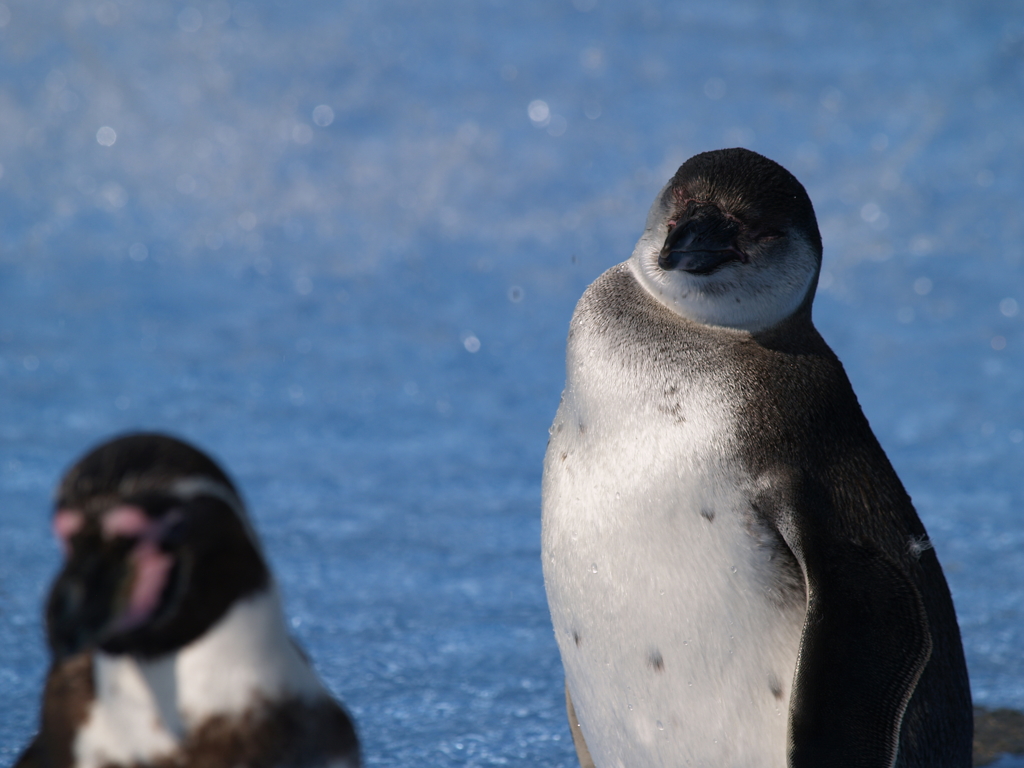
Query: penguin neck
{"points": [[245, 661], [748, 299]]}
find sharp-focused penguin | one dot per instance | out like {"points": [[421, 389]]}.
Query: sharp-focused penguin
{"points": [[169, 647], [736, 576]]}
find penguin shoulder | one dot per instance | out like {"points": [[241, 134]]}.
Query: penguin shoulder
{"points": [[247, 655]]}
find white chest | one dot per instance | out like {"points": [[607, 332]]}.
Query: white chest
{"points": [[144, 710], [664, 589], [135, 715]]}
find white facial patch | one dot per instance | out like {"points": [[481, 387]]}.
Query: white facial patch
{"points": [[192, 487], [745, 296]]}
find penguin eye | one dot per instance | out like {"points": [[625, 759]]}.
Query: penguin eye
{"points": [[768, 234], [173, 529]]}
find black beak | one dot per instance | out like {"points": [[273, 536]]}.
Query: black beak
{"points": [[86, 598], [701, 244], [110, 587]]}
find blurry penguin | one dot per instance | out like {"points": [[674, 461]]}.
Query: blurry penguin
{"points": [[168, 640], [735, 573]]}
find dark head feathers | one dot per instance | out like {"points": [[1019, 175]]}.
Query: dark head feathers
{"points": [[144, 461], [750, 187]]}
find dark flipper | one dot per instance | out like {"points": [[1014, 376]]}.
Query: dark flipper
{"points": [[865, 644], [586, 761]]}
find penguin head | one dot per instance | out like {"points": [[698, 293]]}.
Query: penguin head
{"points": [[157, 548], [731, 241]]}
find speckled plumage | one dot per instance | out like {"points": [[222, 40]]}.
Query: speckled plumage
{"points": [[735, 573]]}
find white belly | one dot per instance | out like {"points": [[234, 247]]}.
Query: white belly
{"points": [[660, 581]]}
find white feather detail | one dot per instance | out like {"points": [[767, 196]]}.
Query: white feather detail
{"points": [[673, 652], [749, 297], [144, 708]]}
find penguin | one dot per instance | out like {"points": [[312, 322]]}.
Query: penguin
{"points": [[735, 574], [167, 636]]}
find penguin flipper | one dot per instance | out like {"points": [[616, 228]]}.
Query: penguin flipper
{"points": [[865, 644], [582, 752]]}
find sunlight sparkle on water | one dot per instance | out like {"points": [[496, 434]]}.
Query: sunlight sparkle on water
{"points": [[539, 112], [106, 136], [323, 115], [138, 252]]}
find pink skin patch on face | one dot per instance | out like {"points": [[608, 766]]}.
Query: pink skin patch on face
{"points": [[151, 565], [151, 569], [66, 523], [128, 521]]}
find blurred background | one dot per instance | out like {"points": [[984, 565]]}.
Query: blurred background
{"points": [[337, 244]]}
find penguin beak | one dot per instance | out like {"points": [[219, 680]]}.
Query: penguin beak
{"points": [[113, 580], [83, 600], [701, 245]]}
